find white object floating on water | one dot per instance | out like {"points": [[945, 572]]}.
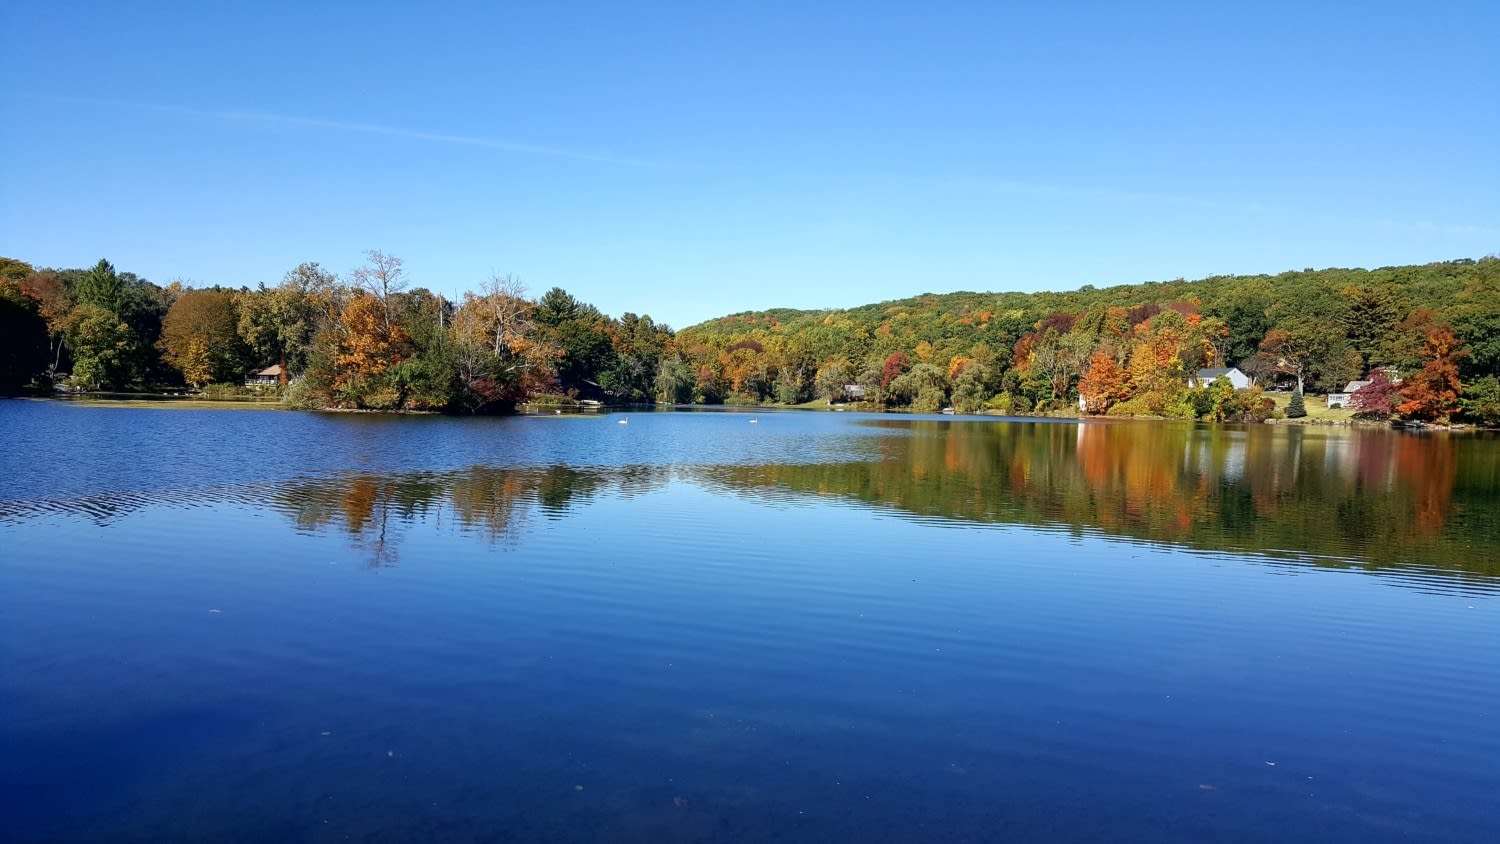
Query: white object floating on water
{"points": [[214, 612], [754, 421], [624, 421]]}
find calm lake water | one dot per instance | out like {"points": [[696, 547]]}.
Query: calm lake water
{"points": [[258, 626]]}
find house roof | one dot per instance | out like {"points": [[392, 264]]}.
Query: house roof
{"points": [[273, 370], [1354, 386], [1215, 373]]}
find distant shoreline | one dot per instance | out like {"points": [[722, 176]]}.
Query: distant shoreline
{"points": [[145, 400]]}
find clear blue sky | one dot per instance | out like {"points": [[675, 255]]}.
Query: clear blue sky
{"points": [[692, 159]]}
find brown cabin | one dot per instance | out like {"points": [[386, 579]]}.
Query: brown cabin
{"points": [[268, 377]]}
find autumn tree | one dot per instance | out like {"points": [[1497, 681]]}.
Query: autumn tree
{"points": [[370, 344], [1403, 341], [500, 313], [896, 365], [382, 276], [1377, 399], [1155, 369], [1104, 382], [1051, 356], [1309, 351], [1312, 348], [200, 337], [54, 302], [13, 270], [500, 354], [1432, 395]]}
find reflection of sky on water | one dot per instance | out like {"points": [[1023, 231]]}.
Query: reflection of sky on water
{"points": [[753, 654], [805, 629]]}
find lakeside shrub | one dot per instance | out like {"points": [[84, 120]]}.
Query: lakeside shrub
{"points": [[299, 395], [1180, 410], [225, 392], [1001, 403], [1130, 407]]}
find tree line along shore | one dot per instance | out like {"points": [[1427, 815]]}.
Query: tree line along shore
{"points": [[1424, 339]]}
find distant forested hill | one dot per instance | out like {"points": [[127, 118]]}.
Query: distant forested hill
{"points": [[1325, 327]]}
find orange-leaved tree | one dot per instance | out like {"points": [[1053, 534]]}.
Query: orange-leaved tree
{"points": [[370, 343], [200, 337], [1432, 394], [1104, 383]]}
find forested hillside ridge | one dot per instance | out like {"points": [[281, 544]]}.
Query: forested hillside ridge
{"points": [[1427, 337]]}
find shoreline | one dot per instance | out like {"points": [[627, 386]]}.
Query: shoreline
{"points": [[140, 400]]}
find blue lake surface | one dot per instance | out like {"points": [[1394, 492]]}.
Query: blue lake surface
{"points": [[260, 625]]}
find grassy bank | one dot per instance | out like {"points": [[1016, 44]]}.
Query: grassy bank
{"points": [[1316, 406], [180, 403]]}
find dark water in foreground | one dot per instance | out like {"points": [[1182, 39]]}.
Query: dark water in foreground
{"points": [[253, 625]]}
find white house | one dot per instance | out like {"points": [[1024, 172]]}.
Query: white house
{"points": [[1237, 379], [1342, 398]]}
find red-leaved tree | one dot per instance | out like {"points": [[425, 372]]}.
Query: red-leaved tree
{"points": [[1377, 399], [895, 366]]}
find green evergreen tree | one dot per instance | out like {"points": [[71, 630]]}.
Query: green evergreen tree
{"points": [[102, 286], [1296, 410]]}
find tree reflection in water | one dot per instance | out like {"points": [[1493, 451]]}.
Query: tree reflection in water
{"points": [[1336, 496], [493, 502]]}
